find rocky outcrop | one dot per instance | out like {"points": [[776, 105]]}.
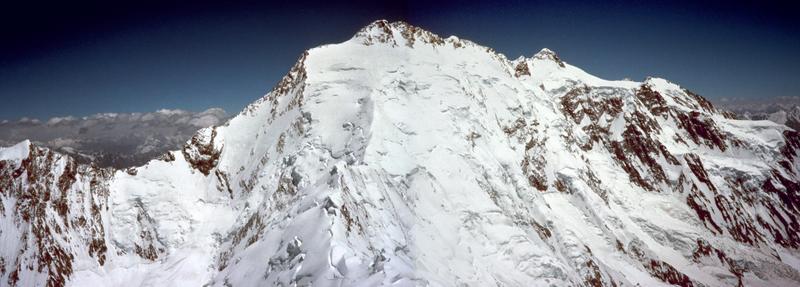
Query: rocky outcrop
{"points": [[51, 210], [201, 152]]}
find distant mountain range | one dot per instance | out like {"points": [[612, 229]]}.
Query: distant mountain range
{"points": [[782, 110], [116, 140]]}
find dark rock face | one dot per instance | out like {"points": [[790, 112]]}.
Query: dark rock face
{"points": [[522, 69], [652, 100], [668, 274], [201, 153], [702, 130]]}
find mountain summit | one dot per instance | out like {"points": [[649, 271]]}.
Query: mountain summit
{"points": [[403, 158]]}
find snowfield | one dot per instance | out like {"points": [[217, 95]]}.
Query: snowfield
{"points": [[401, 158]]}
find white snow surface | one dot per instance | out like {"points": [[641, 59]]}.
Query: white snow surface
{"points": [[382, 161], [16, 152]]}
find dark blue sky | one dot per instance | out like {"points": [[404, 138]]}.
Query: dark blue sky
{"points": [[79, 59]]}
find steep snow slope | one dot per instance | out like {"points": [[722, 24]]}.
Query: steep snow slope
{"points": [[403, 158]]}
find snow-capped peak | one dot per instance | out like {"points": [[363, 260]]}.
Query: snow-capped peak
{"points": [[401, 158], [547, 54], [396, 33]]}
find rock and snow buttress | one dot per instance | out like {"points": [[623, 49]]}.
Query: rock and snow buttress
{"points": [[403, 158]]}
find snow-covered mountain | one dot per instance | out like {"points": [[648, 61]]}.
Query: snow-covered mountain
{"points": [[403, 158]]}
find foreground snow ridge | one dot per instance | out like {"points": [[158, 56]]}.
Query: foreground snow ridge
{"points": [[406, 159]]}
